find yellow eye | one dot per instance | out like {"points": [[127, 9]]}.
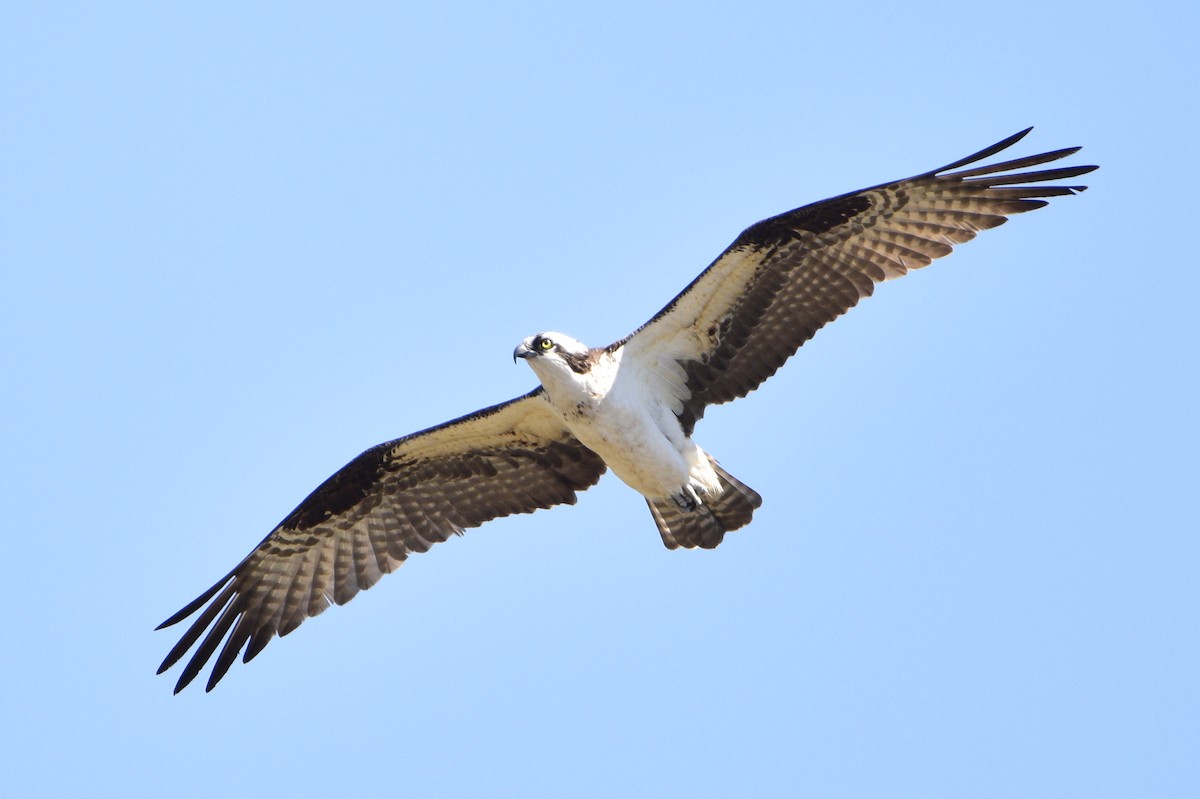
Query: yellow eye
{"points": [[546, 344]]}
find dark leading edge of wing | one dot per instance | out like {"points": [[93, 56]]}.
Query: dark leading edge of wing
{"points": [[798, 271], [394, 499]]}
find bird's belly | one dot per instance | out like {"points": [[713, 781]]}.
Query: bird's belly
{"points": [[635, 449]]}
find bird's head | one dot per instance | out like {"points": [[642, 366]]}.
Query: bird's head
{"points": [[549, 353]]}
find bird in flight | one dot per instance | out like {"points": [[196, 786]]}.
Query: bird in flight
{"points": [[630, 407]]}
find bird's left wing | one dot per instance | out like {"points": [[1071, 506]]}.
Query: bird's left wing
{"points": [[786, 277], [361, 523]]}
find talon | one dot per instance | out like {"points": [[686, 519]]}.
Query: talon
{"points": [[686, 499]]}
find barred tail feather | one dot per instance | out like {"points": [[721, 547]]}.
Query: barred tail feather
{"points": [[706, 525]]}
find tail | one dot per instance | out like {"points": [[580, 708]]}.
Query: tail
{"points": [[706, 525]]}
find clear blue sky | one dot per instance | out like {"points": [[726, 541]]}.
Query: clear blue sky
{"points": [[241, 243]]}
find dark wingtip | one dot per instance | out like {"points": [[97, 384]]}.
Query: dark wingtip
{"points": [[197, 603], [183, 682], [987, 152]]}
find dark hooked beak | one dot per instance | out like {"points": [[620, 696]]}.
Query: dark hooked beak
{"points": [[522, 351]]}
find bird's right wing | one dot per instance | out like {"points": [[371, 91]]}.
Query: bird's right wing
{"points": [[400, 497]]}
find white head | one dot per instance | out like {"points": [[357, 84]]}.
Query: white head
{"points": [[552, 355]]}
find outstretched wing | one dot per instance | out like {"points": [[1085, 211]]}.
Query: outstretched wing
{"points": [[786, 277], [400, 497]]}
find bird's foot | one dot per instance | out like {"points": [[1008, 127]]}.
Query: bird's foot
{"points": [[686, 499]]}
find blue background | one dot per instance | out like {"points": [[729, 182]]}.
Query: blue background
{"points": [[242, 242]]}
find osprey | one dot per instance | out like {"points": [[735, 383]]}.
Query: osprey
{"points": [[630, 407]]}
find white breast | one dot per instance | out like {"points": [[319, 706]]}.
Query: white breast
{"points": [[628, 421]]}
